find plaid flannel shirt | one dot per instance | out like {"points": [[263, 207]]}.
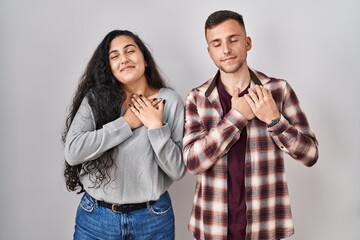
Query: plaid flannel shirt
{"points": [[208, 137]]}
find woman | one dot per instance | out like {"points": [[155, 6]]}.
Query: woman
{"points": [[123, 144]]}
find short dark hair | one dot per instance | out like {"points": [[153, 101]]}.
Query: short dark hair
{"points": [[221, 16]]}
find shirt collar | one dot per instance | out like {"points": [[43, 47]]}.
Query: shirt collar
{"points": [[212, 85]]}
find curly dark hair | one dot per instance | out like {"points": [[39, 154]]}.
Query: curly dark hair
{"points": [[105, 96]]}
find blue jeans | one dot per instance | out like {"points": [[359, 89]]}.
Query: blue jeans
{"points": [[96, 222]]}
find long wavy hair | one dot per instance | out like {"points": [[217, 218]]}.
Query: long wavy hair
{"points": [[105, 96]]}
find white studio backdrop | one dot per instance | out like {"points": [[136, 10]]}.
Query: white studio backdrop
{"points": [[46, 44]]}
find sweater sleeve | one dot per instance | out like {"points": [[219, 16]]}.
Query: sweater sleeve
{"points": [[292, 133], [85, 143], [167, 140]]}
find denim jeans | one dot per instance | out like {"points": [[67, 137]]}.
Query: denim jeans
{"points": [[96, 222]]}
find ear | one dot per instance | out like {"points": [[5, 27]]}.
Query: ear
{"points": [[248, 44]]}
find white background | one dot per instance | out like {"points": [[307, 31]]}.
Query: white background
{"points": [[46, 44]]}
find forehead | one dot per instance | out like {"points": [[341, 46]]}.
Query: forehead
{"points": [[121, 42], [225, 29]]}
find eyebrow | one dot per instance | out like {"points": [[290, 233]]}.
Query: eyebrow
{"points": [[218, 39], [126, 46]]}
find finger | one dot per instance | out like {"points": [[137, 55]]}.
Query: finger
{"points": [[268, 93], [135, 100], [161, 105], [249, 100], [259, 92], [155, 102], [139, 99], [264, 92], [143, 100], [133, 109], [253, 96]]}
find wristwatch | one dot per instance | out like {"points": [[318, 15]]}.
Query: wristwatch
{"points": [[273, 122]]}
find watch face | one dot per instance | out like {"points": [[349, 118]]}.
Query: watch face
{"points": [[273, 122]]}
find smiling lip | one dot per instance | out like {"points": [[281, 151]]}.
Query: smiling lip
{"points": [[228, 59], [126, 68]]}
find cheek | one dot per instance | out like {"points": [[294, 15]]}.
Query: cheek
{"points": [[140, 60], [113, 67], [212, 54], [141, 64]]}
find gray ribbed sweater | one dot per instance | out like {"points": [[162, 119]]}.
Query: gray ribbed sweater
{"points": [[147, 161]]}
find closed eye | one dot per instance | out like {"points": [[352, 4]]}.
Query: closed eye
{"points": [[216, 44]]}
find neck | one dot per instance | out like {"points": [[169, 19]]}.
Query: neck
{"points": [[142, 88], [239, 79]]}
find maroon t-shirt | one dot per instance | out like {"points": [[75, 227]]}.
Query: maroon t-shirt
{"points": [[236, 178]]}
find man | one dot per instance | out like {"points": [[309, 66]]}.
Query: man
{"points": [[237, 127]]}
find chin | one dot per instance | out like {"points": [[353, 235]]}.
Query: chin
{"points": [[230, 70]]}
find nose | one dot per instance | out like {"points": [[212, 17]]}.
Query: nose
{"points": [[124, 59], [226, 48]]}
